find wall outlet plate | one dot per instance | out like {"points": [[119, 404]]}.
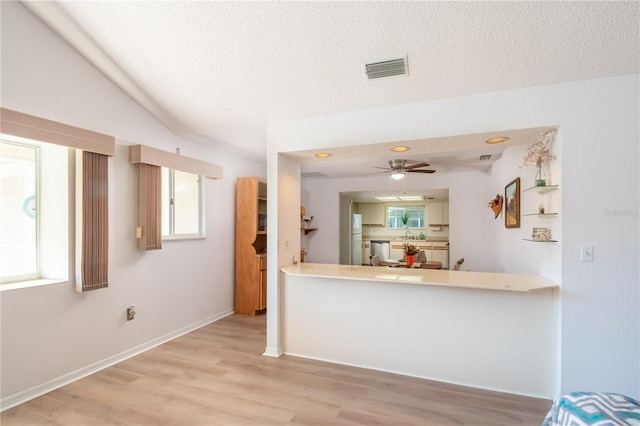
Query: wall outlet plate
{"points": [[586, 254]]}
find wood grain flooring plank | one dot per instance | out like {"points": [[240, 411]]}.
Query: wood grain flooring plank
{"points": [[216, 375]]}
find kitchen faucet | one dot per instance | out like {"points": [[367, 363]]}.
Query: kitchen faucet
{"points": [[408, 235]]}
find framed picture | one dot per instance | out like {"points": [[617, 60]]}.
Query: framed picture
{"points": [[512, 204]]}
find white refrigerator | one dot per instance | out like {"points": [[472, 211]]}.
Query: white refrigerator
{"points": [[356, 239]]}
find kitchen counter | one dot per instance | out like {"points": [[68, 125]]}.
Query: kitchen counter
{"points": [[464, 279], [396, 238], [486, 330]]}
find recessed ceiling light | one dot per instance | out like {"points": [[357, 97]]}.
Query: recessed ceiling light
{"points": [[400, 149], [499, 139], [323, 155], [386, 198], [410, 197]]}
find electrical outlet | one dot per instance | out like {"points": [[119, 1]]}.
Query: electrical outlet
{"points": [[131, 313], [586, 254]]}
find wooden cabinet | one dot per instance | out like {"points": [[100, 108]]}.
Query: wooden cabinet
{"points": [[251, 245], [438, 213], [263, 283], [372, 213]]}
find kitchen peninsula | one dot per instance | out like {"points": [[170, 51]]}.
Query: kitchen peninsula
{"points": [[487, 330]]}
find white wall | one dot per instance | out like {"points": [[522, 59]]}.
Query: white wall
{"points": [[51, 334], [598, 121]]}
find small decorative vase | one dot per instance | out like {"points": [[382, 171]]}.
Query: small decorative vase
{"points": [[409, 259], [540, 180]]}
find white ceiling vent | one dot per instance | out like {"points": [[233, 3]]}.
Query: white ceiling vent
{"points": [[485, 157], [386, 68], [312, 174]]}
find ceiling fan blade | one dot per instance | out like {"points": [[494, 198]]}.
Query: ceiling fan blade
{"points": [[421, 171], [415, 166], [383, 168]]}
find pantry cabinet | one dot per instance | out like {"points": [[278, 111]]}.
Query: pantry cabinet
{"points": [[251, 246]]}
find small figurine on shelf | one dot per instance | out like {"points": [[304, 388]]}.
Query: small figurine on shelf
{"points": [[541, 209]]}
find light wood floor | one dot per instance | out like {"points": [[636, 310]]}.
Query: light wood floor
{"points": [[217, 376]]}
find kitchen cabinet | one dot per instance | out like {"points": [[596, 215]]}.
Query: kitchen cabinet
{"points": [[366, 251], [396, 250], [436, 252], [251, 245], [372, 213], [438, 213]]}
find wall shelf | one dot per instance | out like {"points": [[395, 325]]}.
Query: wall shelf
{"points": [[542, 189], [546, 215], [304, 224]]}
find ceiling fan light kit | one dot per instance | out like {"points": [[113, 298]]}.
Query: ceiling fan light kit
{"points": [[399, 169]]}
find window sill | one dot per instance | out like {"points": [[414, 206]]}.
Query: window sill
{"points": [[182, 237], [30, 283]]}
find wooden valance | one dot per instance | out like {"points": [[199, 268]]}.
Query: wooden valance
{"points": [[40, 129], [156, 157]]}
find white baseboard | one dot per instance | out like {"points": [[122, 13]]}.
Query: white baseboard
{"points": [[272, 352], [39, 390]]}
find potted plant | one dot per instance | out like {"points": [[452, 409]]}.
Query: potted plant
{"points": [[405, 219], [409, 250]]}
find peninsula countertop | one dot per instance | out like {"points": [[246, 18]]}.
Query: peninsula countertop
{"points": [[446, 278]]}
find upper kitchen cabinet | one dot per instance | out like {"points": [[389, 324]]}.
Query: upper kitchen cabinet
{"points": [[438, 213], [372, 213]]}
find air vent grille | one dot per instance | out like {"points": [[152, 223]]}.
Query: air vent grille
{"points": [[485, 157], [386, 68], [312, 174]]}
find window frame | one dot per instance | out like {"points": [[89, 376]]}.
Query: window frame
{"points": [[392, 217], [54, 240], [170, 208]]}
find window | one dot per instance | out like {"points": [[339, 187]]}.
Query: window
{"points": [[182, 204], [396, 214], [34, 237], [18, 220]]}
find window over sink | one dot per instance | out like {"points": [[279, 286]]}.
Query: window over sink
{"points": [[397, 215]]}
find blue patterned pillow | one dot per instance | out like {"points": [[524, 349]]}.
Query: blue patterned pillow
{"points": [[594, 409]]}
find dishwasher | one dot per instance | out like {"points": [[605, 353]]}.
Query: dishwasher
{"points": [[381, 248]]}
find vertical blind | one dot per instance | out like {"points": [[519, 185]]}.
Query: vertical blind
{"points": [[95, 221], [150, 206]]}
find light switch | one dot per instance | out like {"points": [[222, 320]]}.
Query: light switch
{"points": [[586, 254]]}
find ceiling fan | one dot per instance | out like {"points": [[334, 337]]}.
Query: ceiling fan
{"points": [[398, 168]]}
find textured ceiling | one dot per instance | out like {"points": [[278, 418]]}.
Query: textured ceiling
{"points": [[219, 71]]}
